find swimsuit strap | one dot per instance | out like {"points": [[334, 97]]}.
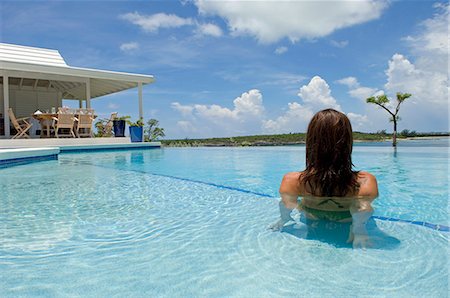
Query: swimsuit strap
{"points": [[328, 200]]}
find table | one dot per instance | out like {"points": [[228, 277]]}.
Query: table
{"points": [[45, 119]]}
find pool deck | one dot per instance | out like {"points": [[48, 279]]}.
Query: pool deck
{"points": [[18, 151]]}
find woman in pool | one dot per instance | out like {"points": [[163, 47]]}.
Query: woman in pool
{"points": [[329, 188]]}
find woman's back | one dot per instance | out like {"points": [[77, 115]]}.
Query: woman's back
{"points": [[293, 187]]}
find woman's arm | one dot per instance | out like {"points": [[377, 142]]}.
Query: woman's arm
{"points": [[361, 210], [288, 203], [289, 190]]}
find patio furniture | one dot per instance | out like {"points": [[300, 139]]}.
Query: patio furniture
{"points": [[64, 121], [21, 125], [107, 130], [84, 123], [46, 122]]}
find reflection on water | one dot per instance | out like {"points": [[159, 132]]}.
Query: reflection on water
{"points": [[137, 157], [336, 234], [106, 224]]}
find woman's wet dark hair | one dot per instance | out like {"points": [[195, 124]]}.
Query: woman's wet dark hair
{"points": [[329, 143]]}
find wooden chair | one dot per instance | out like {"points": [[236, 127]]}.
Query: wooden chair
{"points": [[21, 125], [107, 130], [84, 125], [64, 121]]}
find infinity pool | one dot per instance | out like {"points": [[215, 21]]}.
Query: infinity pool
{"points": [[193, 222]]}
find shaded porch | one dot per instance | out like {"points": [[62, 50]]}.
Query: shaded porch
{"points": [[39, 79]]}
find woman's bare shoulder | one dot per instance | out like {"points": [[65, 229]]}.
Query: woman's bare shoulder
{"points": [[290, 183], [368, 186]]}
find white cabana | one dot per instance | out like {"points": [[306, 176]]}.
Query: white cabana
{"points": [[37, 78]]}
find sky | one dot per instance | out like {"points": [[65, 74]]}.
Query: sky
{"points": [[229, 68]]}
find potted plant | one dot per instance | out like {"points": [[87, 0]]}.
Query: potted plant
{"points": [[136, 130], [119, 126]]}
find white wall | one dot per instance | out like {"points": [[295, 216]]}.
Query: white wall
{"points": [[26, 100]]}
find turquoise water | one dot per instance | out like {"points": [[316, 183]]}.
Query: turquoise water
{"points": [[193, 222]]}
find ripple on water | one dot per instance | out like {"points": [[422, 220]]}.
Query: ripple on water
{"points": [[164, 237]]}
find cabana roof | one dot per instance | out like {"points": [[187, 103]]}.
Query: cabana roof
{"points": [[46, 67]]}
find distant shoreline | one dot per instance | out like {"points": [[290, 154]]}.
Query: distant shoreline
{"points": [[427, 138], [286, 140]]}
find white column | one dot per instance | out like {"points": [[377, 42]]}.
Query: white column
{"points": [[88, 94], [6, 105], [141, 109]]}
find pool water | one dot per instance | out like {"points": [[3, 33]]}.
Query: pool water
{"points": [[193, 222]]}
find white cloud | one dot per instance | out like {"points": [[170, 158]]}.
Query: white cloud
{"points": [[152, 23], [294, 120], [209, 29], [281, 50], [246, 106], [186, 126], [270, 21], [349, 82], [356, 90], [358, 121], [318, 94], [249, 103], [424, 75], [129, 46], [215, 113], [362, 92], [185, 110], [247, 112], [426, 86], [434, 36], [339, 44]]}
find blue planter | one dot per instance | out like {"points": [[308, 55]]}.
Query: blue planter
{"points": [[136, 133]]}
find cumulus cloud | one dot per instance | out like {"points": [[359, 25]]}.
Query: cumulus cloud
{"points": [[152, 23], [248, 109], [318, 94], [130, 46], [185, 110], [424, 74], [270, 21], [248, 105], [281, 50], [215, 113], [294, 120], [209, 29], [426, 77], [358, 121], [429, 89], [349, 82], [356, 90]]}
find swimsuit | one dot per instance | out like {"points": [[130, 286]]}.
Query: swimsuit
{"points": [[326, 214]]}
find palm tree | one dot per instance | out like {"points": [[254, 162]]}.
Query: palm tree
{"points": [[382, 100]]}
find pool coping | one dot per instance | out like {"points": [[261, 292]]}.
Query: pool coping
{"points": [[117, 146], [25, 155], [18, 156]]}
